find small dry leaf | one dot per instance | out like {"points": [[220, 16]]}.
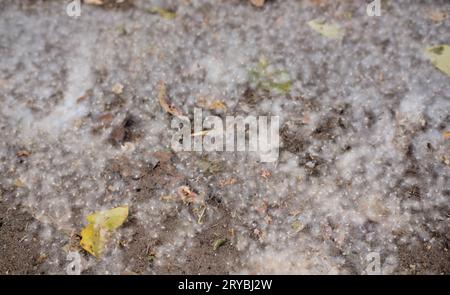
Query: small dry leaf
{"points": [[185, 193], [295, 212], [19, 183], [117, 88], [164, 13], [258, 234], [440, 57], [297, 226], [217, 105], [23, 153], [257, 3], [162, 97], [225, 182], [168, 198], [327, 30], [263, 208], [265, 174], [446, 160], [163, 156], [446, 134], [94, 2], [219, 243], [437, 16]]}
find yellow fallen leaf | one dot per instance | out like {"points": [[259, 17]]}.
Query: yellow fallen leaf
{"points": [[440, 57], [109, 219], [217, 105], [327, 30], [100, 225], [446, 134]]}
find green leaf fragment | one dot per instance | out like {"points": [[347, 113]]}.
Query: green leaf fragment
{"points": [[164, 13], [265, 79], [327, 30], [283, 87], [440, 57], [219, 243], [297, 226]]}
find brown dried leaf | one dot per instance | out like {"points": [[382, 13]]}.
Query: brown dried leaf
{"points": [[265, 174], [186, 194], [19, 183], [225, 182], [163, 156], [257, 3], [263, 208], [437, 16], [162, 97], [23, 153]]}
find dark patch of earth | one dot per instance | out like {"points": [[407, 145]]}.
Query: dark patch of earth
{"points": [[19, 251]]}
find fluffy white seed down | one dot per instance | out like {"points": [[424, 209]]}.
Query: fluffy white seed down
{"points": [[380, 107]]}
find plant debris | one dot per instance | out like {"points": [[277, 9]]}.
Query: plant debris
{"points": [[327, 30], [162, 98], [209, 167], [94, 2], [201, 214], [100, 225], [265, 174], [200, 133], [226, 182], [297, 226], [446, 134], [117, 88], [257, 3], [23, 153], [164, 13], [219, 243], [437, 15], [440, 57], [216, 105], [186, 194], [270, 80]]}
